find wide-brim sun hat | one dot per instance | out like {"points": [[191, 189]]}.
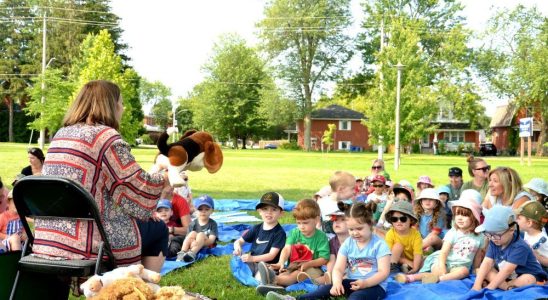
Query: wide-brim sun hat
{"points": [[430, 193], [404, 207], [467, 202], [425, 179], [444, 189], [538, 185]]}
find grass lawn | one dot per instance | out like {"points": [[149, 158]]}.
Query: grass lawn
{"points": [[250, 173]]}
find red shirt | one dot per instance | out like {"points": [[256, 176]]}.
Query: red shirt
{"points": [[180, 208]]}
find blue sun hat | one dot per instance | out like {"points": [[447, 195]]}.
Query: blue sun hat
{"points": [[444, 189], [538, 185], [497, 219]]}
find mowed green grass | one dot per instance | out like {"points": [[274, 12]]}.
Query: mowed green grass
{"points": [[247, 174]]}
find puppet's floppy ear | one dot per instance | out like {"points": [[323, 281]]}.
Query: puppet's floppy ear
{"points": [[213, 156]]}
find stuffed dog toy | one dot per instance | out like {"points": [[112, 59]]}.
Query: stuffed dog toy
{"points": [[195, 150]]}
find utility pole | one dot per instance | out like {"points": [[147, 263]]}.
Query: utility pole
{"points": [[399, 66], [381, 77], [42, 138]]}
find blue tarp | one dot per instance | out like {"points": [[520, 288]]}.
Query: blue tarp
{"points": [[246, 204]]}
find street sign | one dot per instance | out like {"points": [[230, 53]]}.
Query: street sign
{"points": [[526, 127]]}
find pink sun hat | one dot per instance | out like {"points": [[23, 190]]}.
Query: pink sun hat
{"points": [[425, 179], [469, 199]]}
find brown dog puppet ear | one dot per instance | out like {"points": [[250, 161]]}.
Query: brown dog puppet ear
{"points": [[213, 156]]}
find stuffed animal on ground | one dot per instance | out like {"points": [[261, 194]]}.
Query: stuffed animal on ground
{"points": [[194, 151], [96, 283], [131, 288]]}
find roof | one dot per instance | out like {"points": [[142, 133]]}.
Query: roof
{"points": [[503, 116], [336, 112]]}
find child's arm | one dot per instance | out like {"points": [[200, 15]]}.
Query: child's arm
{"points": [[442, 259], [480, 254], [238, 246], [263, 257], [383, 271], [331, 263], [283, 258], [543, 260], [338, 273], [484, 269], [315, 263], [504, 273]]}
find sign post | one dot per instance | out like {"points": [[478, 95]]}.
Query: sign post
{"points": [[525, 131]]}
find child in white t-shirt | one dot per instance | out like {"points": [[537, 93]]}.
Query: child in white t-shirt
{"points": [[531, 216]]}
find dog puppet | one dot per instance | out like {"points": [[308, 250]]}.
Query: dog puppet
{"points": [[194, 151]]}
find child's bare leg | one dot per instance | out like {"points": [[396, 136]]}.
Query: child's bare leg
{"points": [[523, 279], [15, 242], [432, 240], [287, 278], [397, 251], [188, 241], [455, 274], [491, 276], [198, 243]]}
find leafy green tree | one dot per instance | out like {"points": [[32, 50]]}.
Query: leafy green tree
{"points": [[227, 102], [329, 135], [278, 111], [514, 61], [307, 38], [153, 92], [429, 39], [162, 112]]}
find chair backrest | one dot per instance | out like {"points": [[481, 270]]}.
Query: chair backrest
{"points": [[56, 197]]}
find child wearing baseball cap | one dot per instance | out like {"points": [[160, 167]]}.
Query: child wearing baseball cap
{"points": [[530, 217], [203, 230], [164, 211], [267, 238], [379, 195], [509, 261]]}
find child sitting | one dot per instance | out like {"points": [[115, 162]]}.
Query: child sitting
{"points": [[460, 248], [424, 182], [379, 195], [399, 193], [404, 241], [363, 258], [203, 231], [431, 214], [306, 247], [11, 228], [443, 193], [164, 212], [509, 261], [530, 217], [267, 238], [342, 188]]}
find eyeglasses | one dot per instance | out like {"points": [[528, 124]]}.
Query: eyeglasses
{"points": [[376, 167], [402, 219], [186, 179], [378, 185], [495, 236], [484, 169]]}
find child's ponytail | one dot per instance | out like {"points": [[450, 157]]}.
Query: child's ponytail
{"points": [[359, 211]]}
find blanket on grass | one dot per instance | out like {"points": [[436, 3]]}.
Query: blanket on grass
{"points": [[246, 204]]}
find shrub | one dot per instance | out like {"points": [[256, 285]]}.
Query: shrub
{"points": [[290, 146], [146, 139], [416, 148]]}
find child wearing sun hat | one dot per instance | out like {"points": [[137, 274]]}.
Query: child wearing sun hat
{"points": [[430, 211], [509, 261]]}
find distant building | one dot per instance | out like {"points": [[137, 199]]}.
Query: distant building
{"points": [[506, 119], [351, 134]]}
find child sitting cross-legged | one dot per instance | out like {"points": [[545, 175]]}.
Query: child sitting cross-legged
{"points": [[266, 238], [203, 231], [531, 215], [460, 248], [404, 241], [11, 228], [431, 214], [509, 261], [363, 258], [306, 247]]}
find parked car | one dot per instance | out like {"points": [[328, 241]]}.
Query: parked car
{"points": [[271, 146], [488, 149]]}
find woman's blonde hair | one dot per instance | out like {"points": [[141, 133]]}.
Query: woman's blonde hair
{"points": [[472, 163], [511, 183], [96, 103]]}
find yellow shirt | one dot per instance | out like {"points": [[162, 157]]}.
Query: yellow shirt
{"points": [[412, 242]]}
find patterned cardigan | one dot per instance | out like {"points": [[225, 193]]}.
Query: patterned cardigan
{"points": [[98, 158]]}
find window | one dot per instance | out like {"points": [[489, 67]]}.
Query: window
{"points": [[454, 136], [344, 145], [345, 125]]}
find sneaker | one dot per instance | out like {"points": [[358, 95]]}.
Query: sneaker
{"points": [[401, 278], [266, 275], [189, 257], [263, 289], [276, 296], [180, 256], [395, 268], [430, 278]]}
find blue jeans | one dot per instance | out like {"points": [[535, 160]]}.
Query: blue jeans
{"points": [[370, 293]]}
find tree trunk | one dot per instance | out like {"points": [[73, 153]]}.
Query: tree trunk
{"points": [[542, 136], [10, 118], [235, 143], [243, 143]]}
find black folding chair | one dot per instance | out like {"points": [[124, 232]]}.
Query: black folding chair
{"points": [[55, 197]]}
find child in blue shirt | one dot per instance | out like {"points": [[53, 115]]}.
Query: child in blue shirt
{"points": [[509, 261], [363, 258], [431, 213]]}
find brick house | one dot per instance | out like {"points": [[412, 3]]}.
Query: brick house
{"points": [[506, 118], [350, 134]]}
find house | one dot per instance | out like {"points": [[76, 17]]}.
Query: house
{"points": [[350, 134], [452, 131], [505, 125]]}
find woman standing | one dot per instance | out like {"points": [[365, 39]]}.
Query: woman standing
{"points": [[479, 171], [505, 188], [90, 151], [36, 160]]}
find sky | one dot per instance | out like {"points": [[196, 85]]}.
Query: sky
{"points": [[170, 40]]}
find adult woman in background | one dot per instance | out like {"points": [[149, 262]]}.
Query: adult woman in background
{"points": [[36, 160], [89, 150], [479, 171], [505, 188]]}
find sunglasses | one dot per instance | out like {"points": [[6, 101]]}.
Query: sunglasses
{"points": [[378, 185], [484, 169], [402, 219], [376, 167]]}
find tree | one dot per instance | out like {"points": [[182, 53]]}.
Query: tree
{"points": [[153, 92], [514, 59], [307, 37], [227, 101], [162, 112], [278, 111], [429, 39], [328, 135]]}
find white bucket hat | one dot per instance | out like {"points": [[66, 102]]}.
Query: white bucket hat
{"points": [[538, 185], [430, 193]]}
